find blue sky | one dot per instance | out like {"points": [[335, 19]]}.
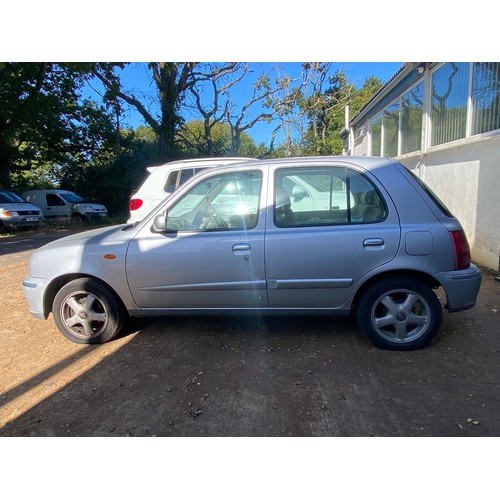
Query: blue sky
{"points": [[135, 78]]}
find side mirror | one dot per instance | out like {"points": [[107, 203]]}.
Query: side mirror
{"points": [[160, 223]]}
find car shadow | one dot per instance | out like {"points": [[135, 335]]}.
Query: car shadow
{"points": [[263, 376]]}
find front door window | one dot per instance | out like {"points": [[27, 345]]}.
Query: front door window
{"points": [[226, 202]]}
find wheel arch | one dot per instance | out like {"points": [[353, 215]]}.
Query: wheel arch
{"points": [[57, 283], [395, 273]]}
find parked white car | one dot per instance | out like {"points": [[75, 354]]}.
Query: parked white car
{"points": [[163, 180], [62, 203]]}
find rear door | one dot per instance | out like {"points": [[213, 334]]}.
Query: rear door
{"points": [[316, 251]]}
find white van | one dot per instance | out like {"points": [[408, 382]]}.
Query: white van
{"points": [[165, 179], [62, 203]]}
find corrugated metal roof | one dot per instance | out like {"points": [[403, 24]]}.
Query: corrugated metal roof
{"points": [[394, 78]]}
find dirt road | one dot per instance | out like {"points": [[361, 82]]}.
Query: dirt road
{"points": [[214, 376]]}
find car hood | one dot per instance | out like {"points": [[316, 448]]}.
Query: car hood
{"points": [[93, 205], [104, 236], [85, 253], [16, 207]]}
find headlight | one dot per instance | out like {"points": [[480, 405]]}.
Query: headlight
{"points": [[88, 208], [8, 213]]}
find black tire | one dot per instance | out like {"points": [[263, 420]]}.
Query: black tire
{"points": [[400, 314], [87, 311]]}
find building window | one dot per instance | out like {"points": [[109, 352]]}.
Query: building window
{"points": [[360, 140], [450, 89], [376, 135], [412, 106], [464, 102], [391, 130], [485, 97]]}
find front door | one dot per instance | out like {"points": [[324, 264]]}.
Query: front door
{"points": [[56, 206], [212, 253]]}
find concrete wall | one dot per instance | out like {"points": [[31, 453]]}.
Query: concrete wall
{"points": [[467, 179]]}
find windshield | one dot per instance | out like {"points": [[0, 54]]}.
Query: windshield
{"points": [[8, 197], [72, 198]]}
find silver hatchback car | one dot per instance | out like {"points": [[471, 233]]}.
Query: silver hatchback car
{"points": [[307, 235]]}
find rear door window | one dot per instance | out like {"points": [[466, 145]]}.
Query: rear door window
{"points": [[171, 182], [186, 173], [325, 196]]}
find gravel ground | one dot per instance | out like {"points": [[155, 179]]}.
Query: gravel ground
{"points": [[237, 376]]}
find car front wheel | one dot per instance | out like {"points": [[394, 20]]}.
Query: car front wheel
{"points": [[87, 311], [400, 314]]}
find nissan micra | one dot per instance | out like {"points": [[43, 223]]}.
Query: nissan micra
{"points": [[251, 239]]}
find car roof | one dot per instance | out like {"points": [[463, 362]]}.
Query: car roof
{"points": [[202, 161], [367, 162], [55, 190]]}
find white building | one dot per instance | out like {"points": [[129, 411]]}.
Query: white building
{"points": [[442, 121]]}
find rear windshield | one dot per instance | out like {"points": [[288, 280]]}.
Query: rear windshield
{"points": [[433, 196], [8, 197]]}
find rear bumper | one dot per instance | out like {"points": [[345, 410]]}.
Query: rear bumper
{"points": [[461, 287]]}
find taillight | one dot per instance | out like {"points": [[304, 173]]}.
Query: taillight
{"points": [[462, 250], [135, 204]]}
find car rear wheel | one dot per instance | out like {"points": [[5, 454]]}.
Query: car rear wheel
{"points": [[87, 311], [400, 314]]}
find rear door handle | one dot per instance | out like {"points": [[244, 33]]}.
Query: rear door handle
{"points": [[373, 242]]}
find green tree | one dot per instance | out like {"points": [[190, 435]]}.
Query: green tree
{"points": [[110, 177], [43, 118], [323, 100], [361, 97]]}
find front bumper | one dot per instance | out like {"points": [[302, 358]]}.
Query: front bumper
{"points": [[21, 221], [94, 215], [34, 290], [461, 287]]}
